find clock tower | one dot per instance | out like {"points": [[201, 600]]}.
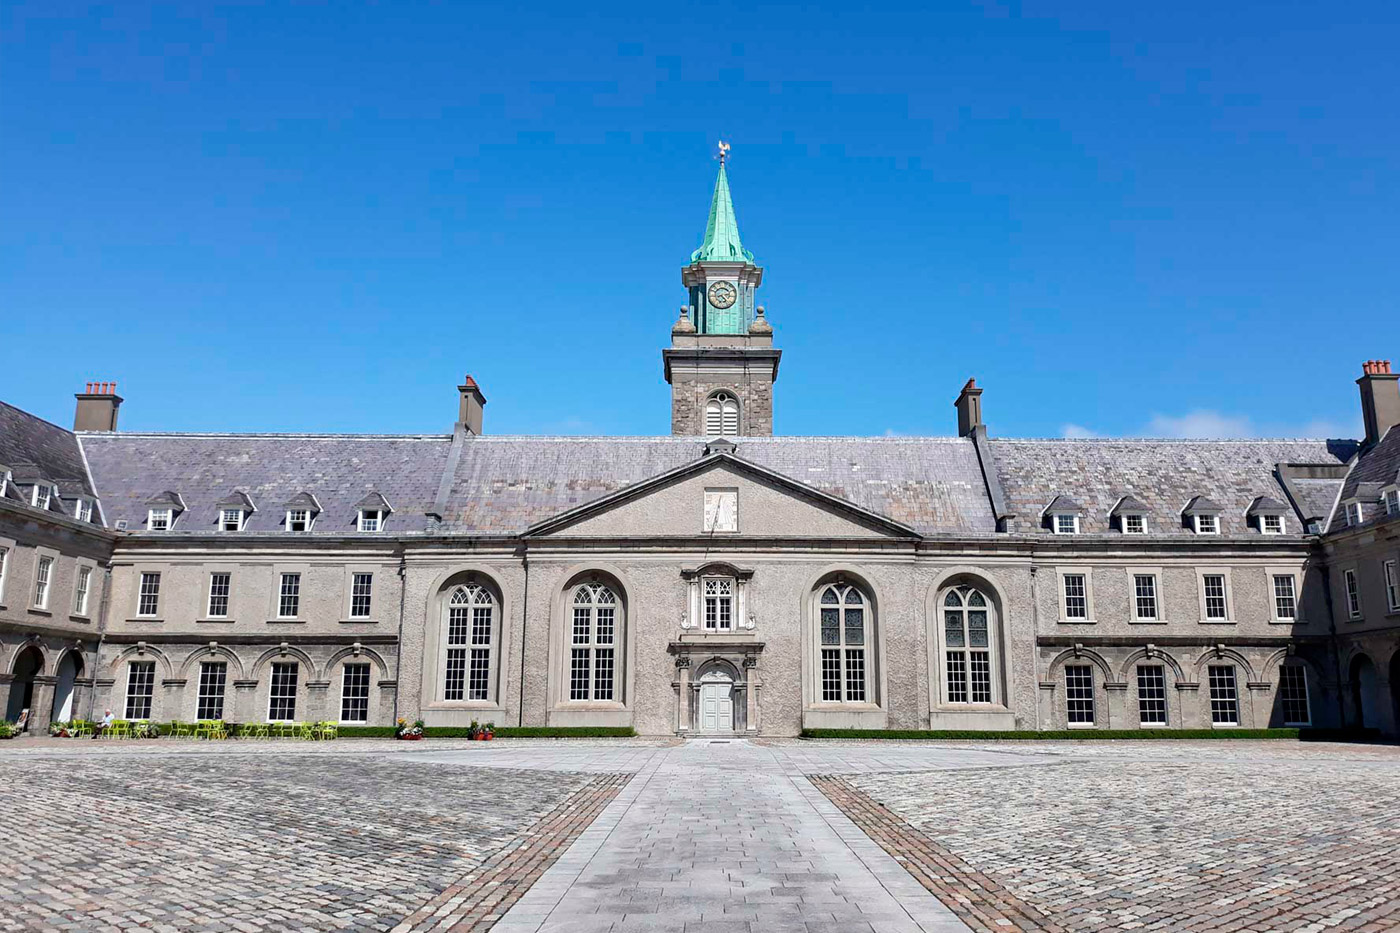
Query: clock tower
{"points": [[721, 363]]}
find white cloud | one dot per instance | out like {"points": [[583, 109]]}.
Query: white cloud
{"points": [[1201, 423], [1205, 423]]}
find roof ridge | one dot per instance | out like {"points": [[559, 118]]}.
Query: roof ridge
{"points": [[119, 435], [1177, 440]]}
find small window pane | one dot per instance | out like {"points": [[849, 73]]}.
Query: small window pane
{"points": [[831, 674], [831, 626], [855, 627]]}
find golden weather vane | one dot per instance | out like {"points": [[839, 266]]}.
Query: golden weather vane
{"points": [[723, 152]]}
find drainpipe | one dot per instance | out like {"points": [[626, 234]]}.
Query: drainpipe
{"points": [[524, 622], [398, 647], [101, 636], [1035, 642]]}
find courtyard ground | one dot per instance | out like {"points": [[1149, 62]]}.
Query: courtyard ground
{"points": [[701, 837]]}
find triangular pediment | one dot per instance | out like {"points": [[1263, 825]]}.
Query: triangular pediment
{"points": [[715, 494]]}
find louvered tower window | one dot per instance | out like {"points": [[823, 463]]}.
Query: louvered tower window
{"points": [[722, 415]]}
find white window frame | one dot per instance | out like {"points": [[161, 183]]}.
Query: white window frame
{"points": [[240, 518], [44, 564], [465, 644], [205, 695], [1155, 574], [1092, 699], [1271, 576], [1307, 696], [1124, 523], [368, 595], [1069, 528], [41, 497], [141, 594], [82, 510], [7, 548], [960, 677], [281, 595], [345, 684], [1390, 576], [309, 521], [1391, 497], [371, 521], [166, 516], [1353, 594], [82, 589], [1213, 518], [719, 591], [844, 656], [1138, 672], [1266, 518], [1212, 682], [1061, 576], [1356, 515], [1224, 574], [148, 691], [273, 683], [595, 641], [227, 596]]}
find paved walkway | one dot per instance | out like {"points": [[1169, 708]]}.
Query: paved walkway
{"points": [[720, 837]]}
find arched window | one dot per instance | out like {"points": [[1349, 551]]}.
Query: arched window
{"points": [[593, 641], [471, 643], [722, 415], [967, 646], [846, 623]]}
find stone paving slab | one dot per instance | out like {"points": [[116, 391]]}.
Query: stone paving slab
{"points": [[1208, 836], [288, 841]]}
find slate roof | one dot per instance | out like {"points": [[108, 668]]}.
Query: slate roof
{"points": [[1376, 468], [270, 468], [1063, 504], [1164, 474], [1267, 504], [33, 447], [505, 484]]}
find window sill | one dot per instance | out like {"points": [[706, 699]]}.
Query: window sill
{"points": [[286, 621], [146, 619], [1217, 622], [74, 617], [216, 620], [359, 621], [40, 611], [1079, 621], [1288, 621], [1148, 622], [1081, 725]]}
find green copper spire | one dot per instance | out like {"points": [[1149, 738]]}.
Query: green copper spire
{"points": [[722, 232]]}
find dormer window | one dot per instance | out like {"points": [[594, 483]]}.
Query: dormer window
{"points": [[231, 519], [1392, 501], [301, 512], [1355, 514], [1204, 515], [1134, 524], [1063, 515], [1206, 523], [82, 510], [1271, 524], [1066, 523], [160, 519], [234, 511], [298, 520], [372, 513], [371, 520], [42, 496]]}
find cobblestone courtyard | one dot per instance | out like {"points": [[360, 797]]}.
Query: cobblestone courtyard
{"points": [[701, 838]]}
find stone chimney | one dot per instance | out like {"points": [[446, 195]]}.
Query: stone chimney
{"points": [[969, 406], [473, 405], [1380, 398], [97, 407]]}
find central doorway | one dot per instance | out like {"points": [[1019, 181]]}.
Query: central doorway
{"points": [[716, 701]]}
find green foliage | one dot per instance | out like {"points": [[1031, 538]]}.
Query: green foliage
{"points": [[7, 730], [1027, 735]]}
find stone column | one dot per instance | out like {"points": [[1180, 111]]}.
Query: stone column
{"points": [[41, 707], [317, 696], [1188, 707], [683, 695], [244, 695], [1118, 707], [751, 698]]}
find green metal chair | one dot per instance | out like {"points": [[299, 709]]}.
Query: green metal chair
{"points": [[120, 729], [182, 730]]}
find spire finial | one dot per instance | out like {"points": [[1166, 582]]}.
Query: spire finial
{"points": [[723, 152]]}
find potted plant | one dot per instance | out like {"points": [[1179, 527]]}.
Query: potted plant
{"points": [[488, 731], [7, 729], [474, 731], [409, 733], [59, 730]]}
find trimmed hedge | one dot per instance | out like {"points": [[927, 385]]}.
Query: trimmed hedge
{"points": [[535, 732], [1079, 734]]}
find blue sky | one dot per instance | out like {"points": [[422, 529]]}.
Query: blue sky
{"points": [[1120, 218]]}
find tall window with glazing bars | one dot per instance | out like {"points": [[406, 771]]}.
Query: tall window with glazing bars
{"points": [[845, 623], [967, 655], [593, 642], [471, 636]]}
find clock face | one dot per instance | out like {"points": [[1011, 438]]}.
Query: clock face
{"points": [[722, 295]]}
